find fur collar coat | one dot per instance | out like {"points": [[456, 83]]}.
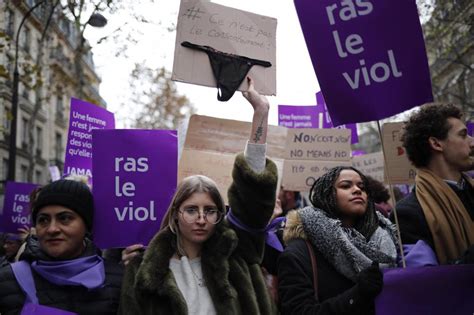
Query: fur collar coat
{"points": [[230, 259]]}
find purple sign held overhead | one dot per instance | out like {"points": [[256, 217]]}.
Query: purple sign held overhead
{"points": [[327, 122], [427, 290], [298, 116], [16, 207], [134, 180], [369, 65], [84, 118]]}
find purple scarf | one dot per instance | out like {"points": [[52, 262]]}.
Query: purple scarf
{"points": [[270, 230], [87, 271]]}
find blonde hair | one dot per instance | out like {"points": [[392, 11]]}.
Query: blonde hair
{"points": [[187, 187]]}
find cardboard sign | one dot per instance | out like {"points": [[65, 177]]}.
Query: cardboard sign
{"points": [[318, 144], [298, 116], [212, 143], [230, 136], [428, 290], [300, 175], [227, 30], [400, 170], [371, 164], [16, 207], [369, 65], [134, 181], [84, 118], [312, 152]]}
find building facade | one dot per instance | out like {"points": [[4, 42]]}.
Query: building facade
{"points": [[449, 37], [53, 85]]}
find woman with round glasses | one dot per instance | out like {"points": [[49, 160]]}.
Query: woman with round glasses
{"points": [[203, 261]]}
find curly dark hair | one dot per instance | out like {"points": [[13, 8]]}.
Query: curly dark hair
{"points": [[430, 121], [323, 196], [377, 190]]}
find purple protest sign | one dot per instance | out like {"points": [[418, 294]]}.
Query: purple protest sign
{"points": [[327, 121], [470, 128], [84, 118], [427, 290], [135, 175], [298, 116], [16, 207], [36, 309], [358, 152], [369, 65]]}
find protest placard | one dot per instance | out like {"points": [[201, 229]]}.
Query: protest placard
{"points": [[399, 168], [227, 30], [84, 118], [369, 65], [298, 116], [436, 290], [212, 143], [16, 207], [371, 164], [134, 181], [312, 152], [327, 121]]}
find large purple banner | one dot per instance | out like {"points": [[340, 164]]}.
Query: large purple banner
{"points": [[84, 118], [369, 65], [298, 116], [470, 128], [135, 175], [16, 207], [328, 123], [427, 290]]}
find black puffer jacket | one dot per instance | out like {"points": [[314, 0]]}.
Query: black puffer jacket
{"points": [[69, 298]]}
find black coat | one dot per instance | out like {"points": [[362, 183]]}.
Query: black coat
{"points": [[412, 220], [336, 293], [70, 298]]}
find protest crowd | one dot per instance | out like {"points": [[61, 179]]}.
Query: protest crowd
{"points": [[347, 245]]}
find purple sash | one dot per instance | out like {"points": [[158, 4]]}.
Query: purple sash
{"points": [[24, 277], [270, 230]]}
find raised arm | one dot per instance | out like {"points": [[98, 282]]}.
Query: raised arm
{"points": [[261, 107], [252, 193]]}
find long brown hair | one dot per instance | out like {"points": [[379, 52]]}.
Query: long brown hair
{"points": [[187, 187]]}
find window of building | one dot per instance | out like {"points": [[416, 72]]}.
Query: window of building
{"points": [[59, 147], [24, 131], [10, 22], [6, 123], [26, 35], [39, 140], [59, 107], [24, 173], [4, 169], [38, 177]]}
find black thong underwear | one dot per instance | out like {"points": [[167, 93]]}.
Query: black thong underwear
{"points": [[229, 70]]}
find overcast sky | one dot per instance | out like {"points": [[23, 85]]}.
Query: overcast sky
{"points": [[296, 81]]}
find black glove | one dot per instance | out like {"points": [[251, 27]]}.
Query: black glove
{"points": [[370, 281]]}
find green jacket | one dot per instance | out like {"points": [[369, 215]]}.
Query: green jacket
{"points": [[230, 259]]}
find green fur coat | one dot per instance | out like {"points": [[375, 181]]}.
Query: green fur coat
{"points": [[230, 259]]}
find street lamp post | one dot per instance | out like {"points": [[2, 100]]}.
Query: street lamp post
{"points": [[16, 77], [96, 20]]}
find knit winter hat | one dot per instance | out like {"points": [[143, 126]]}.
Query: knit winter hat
{"points": [[71, 194]]}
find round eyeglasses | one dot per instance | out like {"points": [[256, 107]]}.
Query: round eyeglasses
{"points": [[191, 215]]}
